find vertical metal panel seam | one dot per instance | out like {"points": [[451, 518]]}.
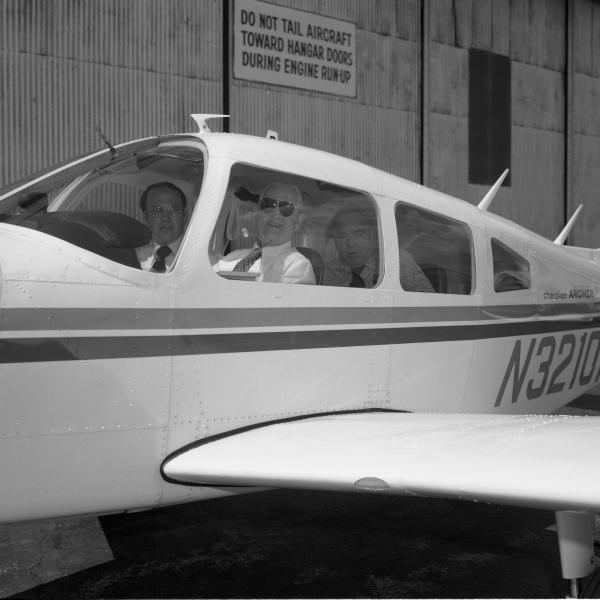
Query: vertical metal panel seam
{"points": [[227, 54], [569, 66], [424, 150]]}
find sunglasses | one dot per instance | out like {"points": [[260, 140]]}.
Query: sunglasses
{"points": [[286, 208]]}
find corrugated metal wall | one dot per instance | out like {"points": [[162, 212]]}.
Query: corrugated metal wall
{"points": [[538, 53], [133, 67], [138, 67], [585, 136]]}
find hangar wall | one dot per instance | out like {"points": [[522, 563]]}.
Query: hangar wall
{"points": [[138, 67], [584, 137], [132, 67], [532, 34]]}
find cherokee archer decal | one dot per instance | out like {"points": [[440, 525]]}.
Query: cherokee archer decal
{"points": [[572, 294]]}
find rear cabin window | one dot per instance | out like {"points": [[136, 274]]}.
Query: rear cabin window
{"points": [[436, 252], [511, 271], [281, 228]]}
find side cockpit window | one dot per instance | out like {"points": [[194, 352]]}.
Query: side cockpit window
{"points": [[436, 252], [511, 271], [279, 227], [132, 208]]}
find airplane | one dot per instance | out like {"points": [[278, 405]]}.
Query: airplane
{"points": [[125, 389]]}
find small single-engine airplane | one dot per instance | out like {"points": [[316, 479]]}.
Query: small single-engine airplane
{"points": [[129, 384]]}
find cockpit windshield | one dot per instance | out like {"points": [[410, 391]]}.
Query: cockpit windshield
{"points": [[123, 207]]}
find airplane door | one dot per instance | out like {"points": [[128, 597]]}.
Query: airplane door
{"points": [[435, 309], [286, 335]]}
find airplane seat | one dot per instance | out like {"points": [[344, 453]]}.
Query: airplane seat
{"points": [[315, 260], [510, 281], [437, 277]]}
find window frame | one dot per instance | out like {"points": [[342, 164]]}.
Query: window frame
{"points": [[469, 239], [328, 187], [505, 246]]}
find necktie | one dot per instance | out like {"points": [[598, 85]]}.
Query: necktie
{"points": [[357, 280], [159, 265], [248, 260]]}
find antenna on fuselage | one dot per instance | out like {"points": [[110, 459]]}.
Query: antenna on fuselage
{"points": [[562, 236], [487, 199], [202, 118], [112, 149]]}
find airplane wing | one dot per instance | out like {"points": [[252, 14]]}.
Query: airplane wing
{"points": [[549, 462]]}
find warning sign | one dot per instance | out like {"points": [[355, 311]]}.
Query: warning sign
{"points": [[282, 46]]}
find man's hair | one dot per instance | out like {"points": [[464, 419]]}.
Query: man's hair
{"points": [[163, 185], [364, 216]]}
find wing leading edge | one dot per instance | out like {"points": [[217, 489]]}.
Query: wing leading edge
{"points": [[536, 461]]}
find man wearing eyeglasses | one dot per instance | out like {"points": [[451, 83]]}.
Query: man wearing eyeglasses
{"points": [[273, 258], [163, 205]]}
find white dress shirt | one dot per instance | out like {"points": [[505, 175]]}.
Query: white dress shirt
{"points": [[282, 264], [147, 254]]}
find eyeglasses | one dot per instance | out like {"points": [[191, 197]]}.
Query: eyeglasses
{"points": [[157, 211], [286, 208]]}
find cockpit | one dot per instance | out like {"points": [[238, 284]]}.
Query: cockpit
{"points": [[98, 203]]}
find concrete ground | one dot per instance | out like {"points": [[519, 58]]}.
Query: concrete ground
{"points": [[290, 544]]}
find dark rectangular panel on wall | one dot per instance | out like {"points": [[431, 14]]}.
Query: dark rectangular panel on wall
{"points": [[489, 116]]}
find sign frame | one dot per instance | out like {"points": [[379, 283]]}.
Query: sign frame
{"points": [[293, 48]]}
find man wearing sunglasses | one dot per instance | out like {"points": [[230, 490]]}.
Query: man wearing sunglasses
{"points": [[273, 258], [163, 205]]}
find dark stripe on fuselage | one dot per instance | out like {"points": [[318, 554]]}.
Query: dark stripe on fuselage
{"points": [[19, 350], [74, 319]]}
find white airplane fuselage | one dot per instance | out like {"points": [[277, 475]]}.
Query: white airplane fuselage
{"points": [[106, 370]]}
